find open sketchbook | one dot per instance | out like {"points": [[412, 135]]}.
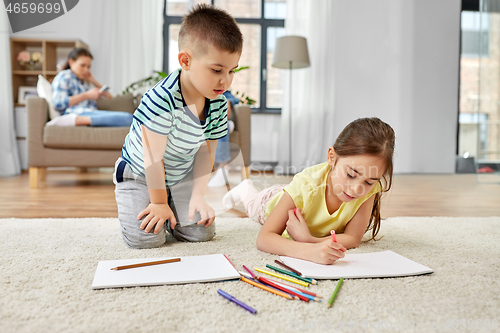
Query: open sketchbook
{"points": [[364, 265], [206, 268]]}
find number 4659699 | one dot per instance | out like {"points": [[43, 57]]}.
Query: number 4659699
{"points": [[32, 7]]}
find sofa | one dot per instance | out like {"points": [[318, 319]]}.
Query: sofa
{"points": [[89, 147]]}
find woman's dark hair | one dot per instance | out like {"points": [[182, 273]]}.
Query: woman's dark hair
{"points": [[77, 53], [370, 136]]}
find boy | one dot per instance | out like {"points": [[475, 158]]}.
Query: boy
{"points": [[162, 175]]}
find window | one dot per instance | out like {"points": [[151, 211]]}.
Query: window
{"points": [[261, 23], [479, 112], [475, 35]]}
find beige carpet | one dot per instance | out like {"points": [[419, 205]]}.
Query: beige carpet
{"points": [[47, 268]]}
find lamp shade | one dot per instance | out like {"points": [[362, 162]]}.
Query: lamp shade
{"points": [[291, 52]]}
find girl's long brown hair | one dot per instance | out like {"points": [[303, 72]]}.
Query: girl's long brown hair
{"points": [[370, 136], [77, 53]]}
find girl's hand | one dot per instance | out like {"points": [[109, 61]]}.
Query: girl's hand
{"points": [[327, 252], [198, 203], [156, 214], [297, 228], [89, 77], [93, 94]]}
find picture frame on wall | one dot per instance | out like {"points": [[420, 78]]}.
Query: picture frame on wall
{"points": [[24, 93]]}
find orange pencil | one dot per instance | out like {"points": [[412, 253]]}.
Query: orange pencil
{"points": [[286, 290], [258, 285], [146, 264]]}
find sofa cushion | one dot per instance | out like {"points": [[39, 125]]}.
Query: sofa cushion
{"points": [[44, 90], [83, 137], [118, 103]]}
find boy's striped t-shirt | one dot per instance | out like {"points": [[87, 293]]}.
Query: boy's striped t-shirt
{"points": [[164, 111]]}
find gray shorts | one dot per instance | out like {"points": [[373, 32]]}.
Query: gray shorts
{"points": [[132, 197]]}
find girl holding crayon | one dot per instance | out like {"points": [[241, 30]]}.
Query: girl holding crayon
{"points": [[342, 194]]}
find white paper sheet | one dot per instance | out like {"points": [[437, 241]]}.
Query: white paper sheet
{"points": [[206, 268], [364, 265]]}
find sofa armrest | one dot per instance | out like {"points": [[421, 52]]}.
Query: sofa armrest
{"points": [[37, 111], [243, 114]]}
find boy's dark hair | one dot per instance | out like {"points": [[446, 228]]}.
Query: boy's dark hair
{"points": [[370, 136], [205, 24], [77, 53]]}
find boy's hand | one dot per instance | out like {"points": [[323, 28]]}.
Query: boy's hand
{"points": [[198, 203], [157, 214], [327, 252], [297, 228]]}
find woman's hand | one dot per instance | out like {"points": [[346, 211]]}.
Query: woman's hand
{"points": [[93, 94], [327, 252], [198, 203], [89, 77], [297, 228], [156, 214]]}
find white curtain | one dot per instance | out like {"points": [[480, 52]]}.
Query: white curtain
{"points": [[312, 88], [10, 164], [130, 39]]}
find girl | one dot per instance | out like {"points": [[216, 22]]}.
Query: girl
{"points": [[75, 100], [342, 194]]}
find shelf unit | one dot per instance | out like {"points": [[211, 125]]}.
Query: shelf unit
{"points": [[53, 52]]}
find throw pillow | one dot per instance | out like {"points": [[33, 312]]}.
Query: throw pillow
{"points": [[44, 90]]}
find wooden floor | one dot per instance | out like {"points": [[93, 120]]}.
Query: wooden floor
{"points": [[68, 194]]}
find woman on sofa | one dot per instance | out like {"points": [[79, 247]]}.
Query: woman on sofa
{"points": [[76, 100]]}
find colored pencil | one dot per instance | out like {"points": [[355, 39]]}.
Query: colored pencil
{"points": [[245, 274], [286, 290], [297, 289], [273, 288], [334, 237], [249, 271], [330, 302], [305, 293], [256, 279], [284, 277], [288, 267], [236, 301], [266, 288], [146, 264], [282, 271], [312, 298]]}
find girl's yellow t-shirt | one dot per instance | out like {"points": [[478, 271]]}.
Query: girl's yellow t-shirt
{"points": [[307, 190]]}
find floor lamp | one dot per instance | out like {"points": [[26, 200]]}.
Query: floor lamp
{"points": [[290, 53]]}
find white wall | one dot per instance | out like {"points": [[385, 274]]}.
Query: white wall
{"points": [[399, 61], [265, 137]]}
